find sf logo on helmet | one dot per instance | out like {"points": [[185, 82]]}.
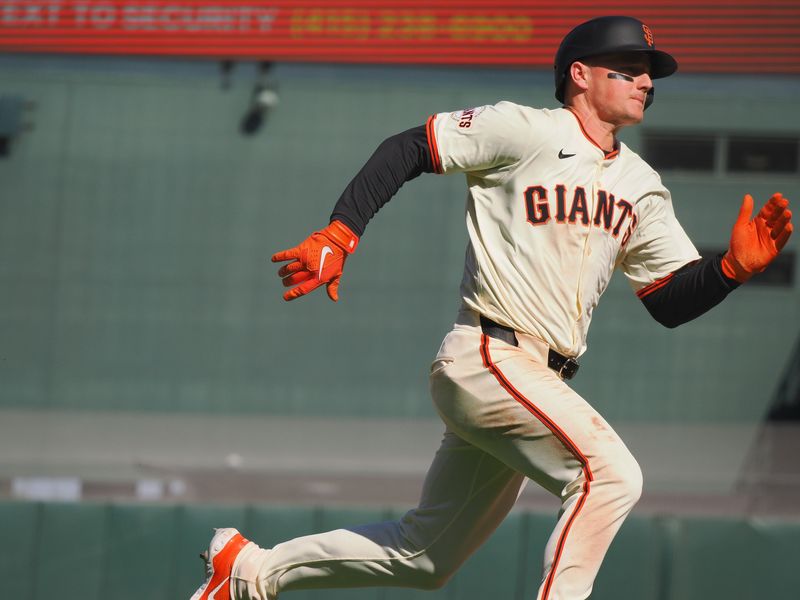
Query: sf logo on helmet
{"points": [[648, 35]]}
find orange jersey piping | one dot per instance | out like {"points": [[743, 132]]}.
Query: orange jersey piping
{"points": [[562, 437], [656, 285], [432, 146], [607, 155]]}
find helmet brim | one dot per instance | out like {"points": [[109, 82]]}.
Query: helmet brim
{"points": [[661, 64]]}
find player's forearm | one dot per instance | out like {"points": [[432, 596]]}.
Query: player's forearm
{"points": [[398, 159], [688, 293]]}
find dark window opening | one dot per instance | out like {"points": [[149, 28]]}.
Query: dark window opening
{"points": [[762, 155], [682, 152]]}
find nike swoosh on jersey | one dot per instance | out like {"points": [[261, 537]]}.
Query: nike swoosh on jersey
{"points": [[562, 155], [325, 251]]}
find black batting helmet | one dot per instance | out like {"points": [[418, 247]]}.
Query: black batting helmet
{"points": [[608, 35]]}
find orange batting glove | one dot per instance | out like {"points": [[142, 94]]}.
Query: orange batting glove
{"points": [[316, 261], [755, 243]]}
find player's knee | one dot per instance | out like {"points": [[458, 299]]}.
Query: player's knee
{"points": [[437, 583], [427, 571], [623, 475], [435, 579], [425, 574], [434, 572], [629, 481]]}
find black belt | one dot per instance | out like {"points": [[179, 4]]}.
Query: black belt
{"points": [[565, 366]]}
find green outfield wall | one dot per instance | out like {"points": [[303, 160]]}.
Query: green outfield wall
{"points": [[120, 552], [136, 224]]}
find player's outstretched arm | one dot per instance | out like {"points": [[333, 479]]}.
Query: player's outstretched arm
{"points": [[756, 242], [695, 288], [317, 260]]}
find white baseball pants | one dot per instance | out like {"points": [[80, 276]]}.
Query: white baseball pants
{"points": [[508, 418]]}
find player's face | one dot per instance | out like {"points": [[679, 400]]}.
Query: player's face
{"points": [[619, 86]]}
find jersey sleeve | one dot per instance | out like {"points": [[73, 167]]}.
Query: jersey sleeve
{"points": [[658, 246], [481, 139]]}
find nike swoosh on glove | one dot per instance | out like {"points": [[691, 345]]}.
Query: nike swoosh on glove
{"points": [[316, 261], [755, 243]]}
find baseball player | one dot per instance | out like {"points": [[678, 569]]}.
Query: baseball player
{"points": [[556, 204]]}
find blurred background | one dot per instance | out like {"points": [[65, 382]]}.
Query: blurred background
{"points": [[153, 383]]}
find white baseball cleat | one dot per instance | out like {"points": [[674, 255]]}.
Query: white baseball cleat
{"points": [[222, 551]]}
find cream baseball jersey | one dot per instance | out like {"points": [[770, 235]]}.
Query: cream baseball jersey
{"points": [[550, 216]]}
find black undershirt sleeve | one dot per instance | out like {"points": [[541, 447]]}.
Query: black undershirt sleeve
{"points": [[690, 291], [398, 159]]}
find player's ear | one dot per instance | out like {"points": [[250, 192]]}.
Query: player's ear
{"points": [[579, 74], [578, 78]]}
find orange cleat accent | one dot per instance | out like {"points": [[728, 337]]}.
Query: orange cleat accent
{"points": [[222, 551]]}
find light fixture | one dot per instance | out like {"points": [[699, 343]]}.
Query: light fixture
{"points": [[262, 100]]}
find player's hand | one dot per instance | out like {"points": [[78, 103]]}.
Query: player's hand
{"points": [[756, 242], [316, 261]]}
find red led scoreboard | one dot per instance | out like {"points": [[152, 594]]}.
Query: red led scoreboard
{"points": [[710, 36]]}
